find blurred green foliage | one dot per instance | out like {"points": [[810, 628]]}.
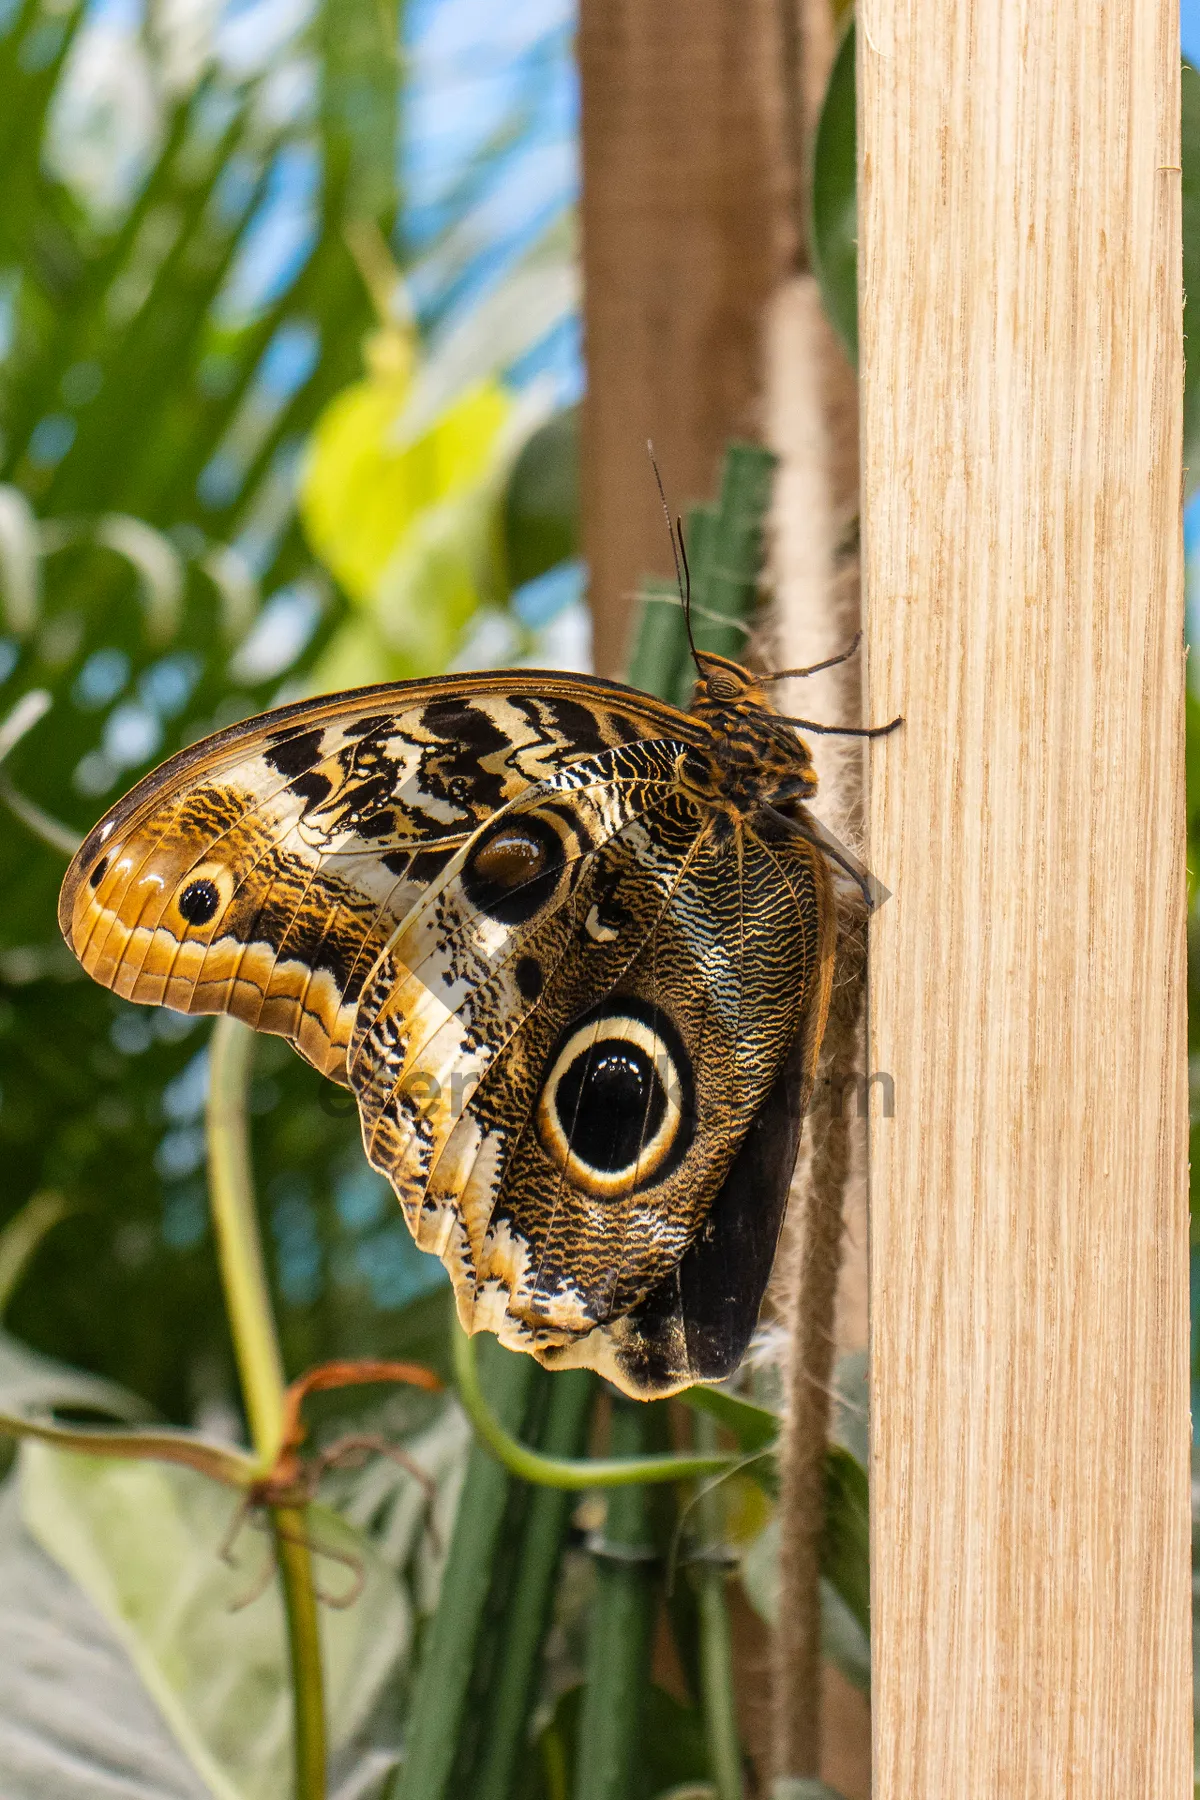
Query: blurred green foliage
{"points": [[156, 581]]}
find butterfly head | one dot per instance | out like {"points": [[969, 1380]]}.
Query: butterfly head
{"points": [[751, 737]]}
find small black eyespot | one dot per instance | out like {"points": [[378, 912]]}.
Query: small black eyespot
{"points": [[199, 901], [529, 977], [97, 874]]}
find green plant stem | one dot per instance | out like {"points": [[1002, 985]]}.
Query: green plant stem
{"points": [[294, 1558], [561, 1471], [716, 1683], [260, 1368], [239, 1248], [717, 1698], [22, 1236]]}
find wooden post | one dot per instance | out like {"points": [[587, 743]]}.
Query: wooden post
{"points": [[1020, 307], [683, 241]]}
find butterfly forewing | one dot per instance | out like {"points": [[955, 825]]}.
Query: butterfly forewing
{"points": [[262, 872]]}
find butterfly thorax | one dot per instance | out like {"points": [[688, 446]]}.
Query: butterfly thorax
{"points": [[752, 758]]}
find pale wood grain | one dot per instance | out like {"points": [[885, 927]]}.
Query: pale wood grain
{"points": [[1021, 369]]}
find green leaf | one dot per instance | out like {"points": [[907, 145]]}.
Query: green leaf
{"points": [[792, 1787], [541, 503], [360, 84], [671, 1751], [77, 1723], [834, 199], [754, 1427], [846, 1546], [143, 1541], [843, 1640]]}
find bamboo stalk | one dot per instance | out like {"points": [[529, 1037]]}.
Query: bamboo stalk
{"points": [[1020, 357]]}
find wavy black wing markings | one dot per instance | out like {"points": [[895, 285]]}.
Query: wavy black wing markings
{"points": [[699, 1035], [151, 786], [567, 783], [320, 860], [458, 1182], [696, 1323], [323, 733], [722, 1281], [250, 940], [287, 723], [442, 940], [592, 1346], [157, 844], [435, 1204], [649, 941]]}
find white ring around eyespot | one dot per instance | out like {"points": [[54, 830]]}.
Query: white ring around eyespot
{"points": [[619, 1028]]}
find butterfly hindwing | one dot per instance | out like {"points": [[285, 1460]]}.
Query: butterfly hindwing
{"points": [[557, 1074]]}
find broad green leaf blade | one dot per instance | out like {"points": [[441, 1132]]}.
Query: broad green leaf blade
{"points": [[75, 1721], [846, 1546], [143, 1542], [834, 199]]}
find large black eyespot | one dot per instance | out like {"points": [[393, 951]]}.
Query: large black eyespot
{"points": [[97, 874], [609, 1102], [513, 870], [199, 901], [617, 1106]]}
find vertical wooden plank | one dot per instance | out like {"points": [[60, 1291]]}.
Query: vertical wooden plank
{"points": [[683, 240], [1021, 371]]}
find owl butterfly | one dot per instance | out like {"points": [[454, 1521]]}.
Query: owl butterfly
{"points": [[571, 949]]}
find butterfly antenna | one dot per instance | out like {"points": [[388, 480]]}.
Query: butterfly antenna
{"points": [[831, 662], [679, 552]]}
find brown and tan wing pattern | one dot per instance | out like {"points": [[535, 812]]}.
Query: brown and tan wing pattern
{"points": [[261, 872], [561, 1052]]}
